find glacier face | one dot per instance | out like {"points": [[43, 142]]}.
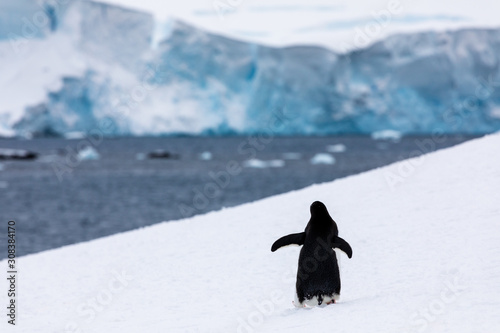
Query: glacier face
{"points": [[24, 18], [95, 63]]}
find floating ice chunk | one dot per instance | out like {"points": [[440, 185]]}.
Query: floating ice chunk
{"points": [[254, 163], [260, 164], [292, 156], [387, 135], [17, 154], [338, 148], [323, 158], [88, 153], [206, 156], [162, 154]]}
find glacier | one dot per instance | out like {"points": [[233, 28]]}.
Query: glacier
{"points": [[94, 67]]}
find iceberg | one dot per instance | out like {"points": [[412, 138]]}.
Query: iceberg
{"points": [[322, 158], [260, 164], [16, 154], [387, 135], [88, 153], [205, 156]]}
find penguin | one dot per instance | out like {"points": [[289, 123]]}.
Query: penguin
{"points": [[318, 276]]}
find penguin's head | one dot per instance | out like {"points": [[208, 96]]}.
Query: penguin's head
{"points": [[318, 209]]}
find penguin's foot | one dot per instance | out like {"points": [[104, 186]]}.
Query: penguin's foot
{"points": [[321, 300], [298, 304]]}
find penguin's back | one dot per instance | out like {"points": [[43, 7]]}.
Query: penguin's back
{"points": [[318, 271]]}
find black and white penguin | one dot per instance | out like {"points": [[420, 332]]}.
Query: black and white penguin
{"points": [[318, 277]]}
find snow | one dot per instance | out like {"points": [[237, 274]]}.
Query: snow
{"points": [[41, 74], [175, 78], [322, 158], [336, 24], [6, 132], [425, 235]]}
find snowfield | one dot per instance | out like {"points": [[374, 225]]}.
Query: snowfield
{"points": [[425, 234], [335, 24]]}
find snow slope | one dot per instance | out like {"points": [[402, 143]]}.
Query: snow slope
{"points": [[425, 235]]}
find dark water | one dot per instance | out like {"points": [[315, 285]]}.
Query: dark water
{"points": [[57, 200]]}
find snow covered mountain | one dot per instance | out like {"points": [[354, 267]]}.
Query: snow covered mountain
{"points": [[82, 66], [425, 236]]}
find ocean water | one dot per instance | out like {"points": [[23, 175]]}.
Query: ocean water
{"points": [[58, 199]]}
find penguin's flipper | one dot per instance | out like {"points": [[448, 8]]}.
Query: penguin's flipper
{"points": [[288, 240], [343, 246]]}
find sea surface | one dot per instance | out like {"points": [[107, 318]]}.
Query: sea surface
{"points": [[59, 199]]}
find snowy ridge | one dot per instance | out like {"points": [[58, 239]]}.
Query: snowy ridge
{"points": [[335, 24], [425, 236], [102, 68]]}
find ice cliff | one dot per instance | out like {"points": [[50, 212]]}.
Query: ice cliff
{"points": [[83, 66]]}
